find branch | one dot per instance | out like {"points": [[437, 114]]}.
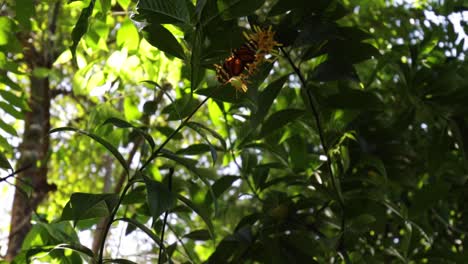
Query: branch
{"points": [[169, 185], [318, 123]]}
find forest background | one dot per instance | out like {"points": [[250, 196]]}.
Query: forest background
{"points": [[341, 138]]}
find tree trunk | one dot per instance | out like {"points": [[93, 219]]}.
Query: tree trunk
{"points": [[31, 184]]}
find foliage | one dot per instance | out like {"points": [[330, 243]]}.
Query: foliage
{"points": [[348, 146]]}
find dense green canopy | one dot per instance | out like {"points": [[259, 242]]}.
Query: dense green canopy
{"points": [[231, 131]]}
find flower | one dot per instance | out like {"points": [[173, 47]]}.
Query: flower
{"points": [[253, 53]]}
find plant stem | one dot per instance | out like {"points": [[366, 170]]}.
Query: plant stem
{"points": [[130, 183], [318, 123], [111, 220], [156, 152], [169, 185]]}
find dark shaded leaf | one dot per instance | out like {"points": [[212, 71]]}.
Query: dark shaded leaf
{"points": [[161, 38], [160, 198], [163, 11], [81, 26], [7, 128], [87, 205], [4, 163], [220, 186], [230, 9], [266, 98], [279, 119], [198, 235], [201, 211]]}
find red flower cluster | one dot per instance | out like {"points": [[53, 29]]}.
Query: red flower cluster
{"points": [[235, 64], [247, 58]]}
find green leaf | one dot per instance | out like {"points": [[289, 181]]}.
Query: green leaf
{"points": [[11, 110], [198, 235], [128, 36], [334, 70], [100, 140], [24, 10], [13, 99], [230, 9], [6, 80], [181, 108], [354, 99], [161, 38], [201, 211], [87, 205], [4, 163], [7, 128], [160, 198], [145, 229], [215, 134], [190, 165], [266, 98], [119, 261], [195, 149], [279, 119], [196, 70], [220, 186], [163, 11], [4, 145], [81, 26], [124, 124]]}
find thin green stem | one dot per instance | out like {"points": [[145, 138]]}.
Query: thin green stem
{"points": [[130, 183], [156, 152], [169, 185], [111, 220], [318, 123]]}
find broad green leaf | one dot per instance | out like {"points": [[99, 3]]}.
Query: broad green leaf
{"points": [[8, 40], [87, 205], [167, 131], [128, 36], [203, 175], [145, 229], [266, 98], [201, 211], [279, 119], [194, 149], [11, 110], [24, 10], [230, 9], [209, 130], [13, 99], [119, 261], [7, 128], [100, 140], [220, 186], [181, 107], [334, 70], [161, 38], [160, 198], [198, 235], [4, 163], [131, 111], [124, 124], [7, 81], [196, 70], [4, 145], [81, 26], [354, 99], [164, 12]]}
